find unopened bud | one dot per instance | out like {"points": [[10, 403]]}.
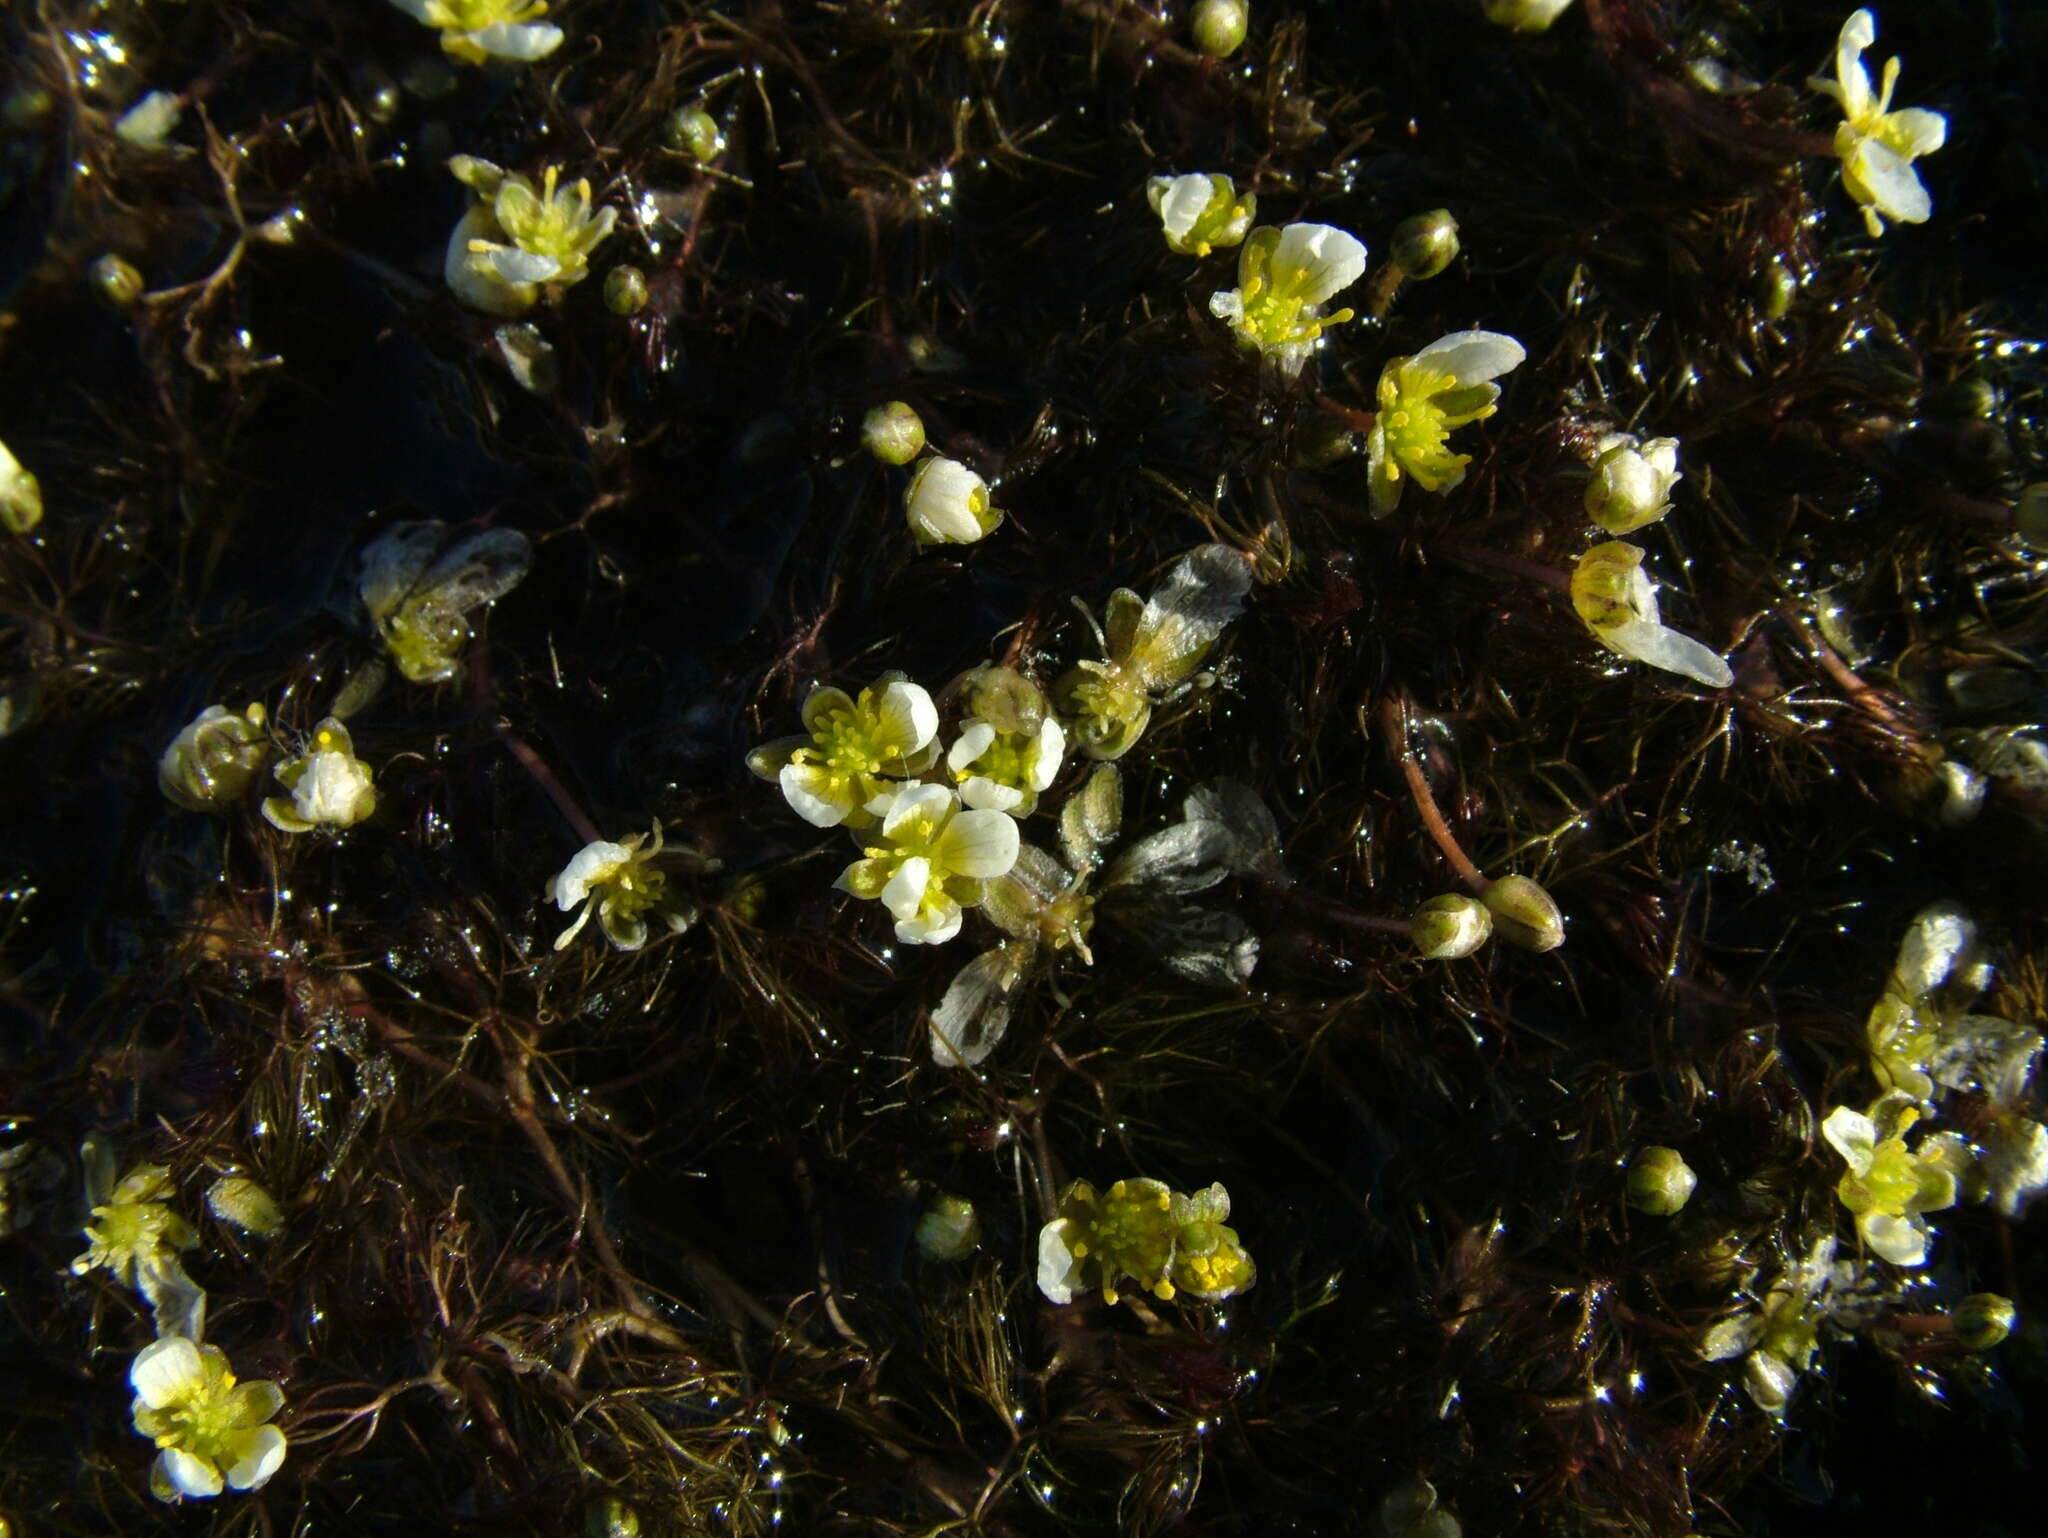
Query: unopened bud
{"points": [[610, 1518], [1776, 288], [1984, 1319], [893, 433], [115, 282], [238, 1200], [1219, 26], [21, 494], [2030, 515], [1525, 914], [1660, 1182], [1448, 927], [625, 290], [212, 762], [694, 132], [1426, 244], [1525, 15], [949, 1229]]}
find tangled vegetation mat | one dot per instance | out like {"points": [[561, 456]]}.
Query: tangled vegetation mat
{"points": [[1026, 767]]}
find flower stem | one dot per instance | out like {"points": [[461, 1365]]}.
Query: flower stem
{"points": [[1394, 718]]}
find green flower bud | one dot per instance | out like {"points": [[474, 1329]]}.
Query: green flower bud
{"points": [[949, 1229], [1006, 699], [625, 290], [1219, 26], [1426, 244], [694, 132], [1983, 1320], [1660, 1182], [893, 433], [2030, 515], [21, 494], [115, 283], [610, 1518], [1451, 926], [1776, 288], [1525, 914], [213, 761], [240, 1201]]}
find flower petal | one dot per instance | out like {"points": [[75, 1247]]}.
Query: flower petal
{"points": [[166, 1371], [1058, 1271], [1179, 201], [1898, 1240], [936, 922], [188, 1475], [1471, 357], [905, 892], [1852, 1135], [918, 803], [251, 1404], [814, 796], [1052, 747], [985, 795], [1327, 259], [973, 741], [1914, 131], [980, 843], [823, 702], [520, 41], [1881, 176], [257, 1453], [907, 719]]}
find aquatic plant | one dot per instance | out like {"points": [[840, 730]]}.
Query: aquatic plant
{"points": [[1422, 399], [1876, 144]]}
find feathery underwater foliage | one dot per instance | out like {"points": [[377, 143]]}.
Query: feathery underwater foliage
{"points": [[719, 1233]]}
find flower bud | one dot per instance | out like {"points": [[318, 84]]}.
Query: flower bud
{"points": [[211, 763], [2030, 515], [1426, 244], [1984, 1319], [115, 282], [1451, 926], [21, 495], [240, 1201], [947, 504], [694, 132], [625, 290], [1660, 1182], [1219, 26], [893, 433], [1006, 699], [949, 1229], [1525, 15], [1525, 914], [1776, 288], [1632, 482], [610, 1518]]}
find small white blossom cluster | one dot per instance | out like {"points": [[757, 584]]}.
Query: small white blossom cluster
{"points": [[211, 1433]]}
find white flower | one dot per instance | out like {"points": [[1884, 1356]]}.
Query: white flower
{"points": [[1284, 278], [1525, 15], [947, 504], [1877, 146], [620, 884], [1618, 602], [929, 860], [329, 785], [1005, 771], [21, 497], [1889, 1185], [133, 1232], [1200, 212], [474, 30], [1421, 399], [1779, 1337], [209, 1430], [855, 750], [1632, 481]]}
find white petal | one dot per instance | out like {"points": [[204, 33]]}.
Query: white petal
{"points": [[1732, 1337], [973, 741], [1472, 357], [417, 10], [1664, 648], [1894, 187], [1052, 747], [1179, 201], [593, 862], [165, 1371], [918, 803], [905, 892], [479, 287], [982, 844], [1057, 1269], [518, 266], [985, 795], [189, 1475], [1921, 132], [1770, 1381], [258, 1453], [1328, 259], [1939, 935], [150, 121], [1852, 1135], [1897, 1240], [522, 41], [909, 719], [805, 787], [1227, 304], [934, 924], [936, 502]]}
